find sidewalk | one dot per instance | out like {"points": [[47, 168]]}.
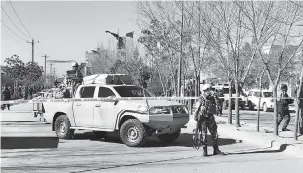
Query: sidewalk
{"points": [[247, 132]]}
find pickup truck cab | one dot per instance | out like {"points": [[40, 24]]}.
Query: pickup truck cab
{"points": [[135, 120]]}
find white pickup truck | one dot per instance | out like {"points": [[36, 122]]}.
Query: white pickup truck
{"points": [[134, 119]]}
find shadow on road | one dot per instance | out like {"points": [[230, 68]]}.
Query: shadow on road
{"points": [[185, 140], [281, 149]]}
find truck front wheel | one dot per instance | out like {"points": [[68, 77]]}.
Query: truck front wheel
{"points": [[169, 137], [62, 127], [133, 133]]}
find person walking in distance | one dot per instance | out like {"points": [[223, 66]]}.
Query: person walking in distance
{"points": [[208, 106], [284, 109], [6, 95]]}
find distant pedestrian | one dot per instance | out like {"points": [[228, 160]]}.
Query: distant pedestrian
{"points": [[284, 108], [30, 91], [20, 91], [219, 94], [204, 115], [6, 95]]}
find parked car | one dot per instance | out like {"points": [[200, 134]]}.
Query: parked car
{"points": [[266, 104]]}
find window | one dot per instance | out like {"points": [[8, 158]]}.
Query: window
{"points": [[87, 92], [105, 92], [257, 94], [268, 94], [132, 91]]}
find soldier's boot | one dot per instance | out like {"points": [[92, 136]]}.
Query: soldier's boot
{"points": [[205, 151], [217, 151]]}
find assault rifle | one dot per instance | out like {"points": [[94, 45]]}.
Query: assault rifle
{"points": [[197, 136]]}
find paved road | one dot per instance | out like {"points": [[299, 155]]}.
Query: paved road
{"points": [[20, 112], [266, 118], [85, 153]]}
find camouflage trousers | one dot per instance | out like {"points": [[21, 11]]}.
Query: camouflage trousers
{"points": [[284, 115], [209, 123]]}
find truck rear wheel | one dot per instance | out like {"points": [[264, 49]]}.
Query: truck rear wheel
{"points": [[170, 137], [133, 133], [62, 127]]}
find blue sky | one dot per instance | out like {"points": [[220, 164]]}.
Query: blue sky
{"points": [[65, 29]]}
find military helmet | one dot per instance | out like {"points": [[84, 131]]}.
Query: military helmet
{"points": [[75, 64], [206, 86], [283, 87]]}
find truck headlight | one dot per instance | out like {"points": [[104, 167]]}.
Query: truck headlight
{"points": [[143, 109], [159, 110]]}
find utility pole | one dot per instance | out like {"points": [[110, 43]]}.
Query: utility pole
{"points": [[51, 68], [54, 71], [45, 56], [33, 43]]}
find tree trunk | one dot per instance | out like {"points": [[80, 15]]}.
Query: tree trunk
{"points": [[237, 115], [298, 108], [275, 95], [230, 120], [259, 101]]}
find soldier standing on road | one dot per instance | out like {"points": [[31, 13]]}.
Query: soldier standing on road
{"points": [[220, 94], [300, 106], [284, 109], [208, 106]]}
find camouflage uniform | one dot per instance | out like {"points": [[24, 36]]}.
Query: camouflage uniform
{"points": [[284, 113], [207, 120], [78, 81]]}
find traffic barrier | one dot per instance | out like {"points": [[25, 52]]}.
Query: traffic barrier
{"points": [[117, 99]]}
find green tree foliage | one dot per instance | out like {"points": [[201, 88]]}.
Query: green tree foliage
{"points": [[33, 71], [14, 68]]}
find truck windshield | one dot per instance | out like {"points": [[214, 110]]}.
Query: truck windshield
{"points": [[268, 94], [132, 91]]}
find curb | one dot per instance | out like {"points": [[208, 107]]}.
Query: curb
{"points": [[255, 138]]}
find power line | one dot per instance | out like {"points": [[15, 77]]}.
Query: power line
{"points": [[13, 22], [12, 31], [20, 19]]}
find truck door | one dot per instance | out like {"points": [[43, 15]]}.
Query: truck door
{"points": [[105, 112], [83, 110]]}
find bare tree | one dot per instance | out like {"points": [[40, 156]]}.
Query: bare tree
{"points": [[281, 24]]}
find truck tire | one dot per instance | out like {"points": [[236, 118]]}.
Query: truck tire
{"points": [[62, 127], [133, 133], [169, 137]]}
